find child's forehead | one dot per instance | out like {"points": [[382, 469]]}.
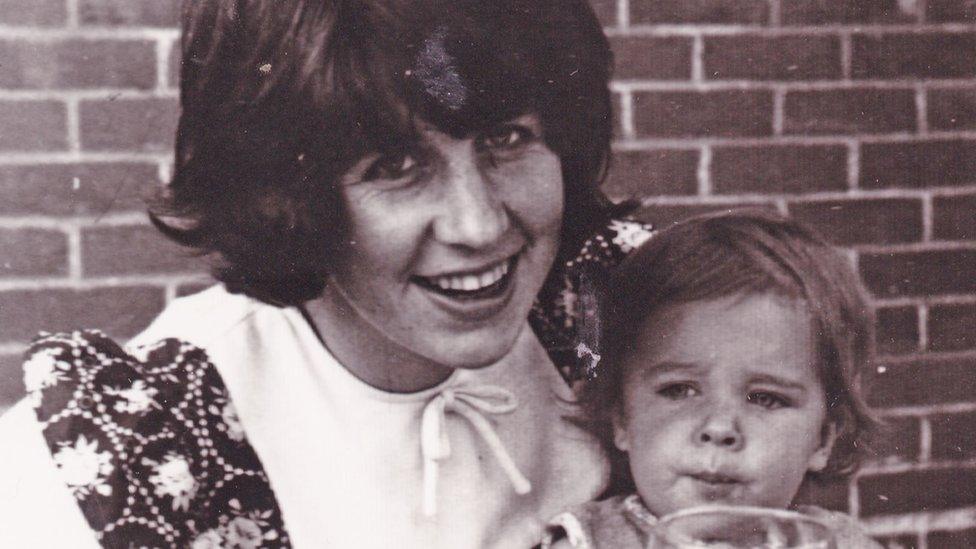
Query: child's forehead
{"points": [[757, 333]]}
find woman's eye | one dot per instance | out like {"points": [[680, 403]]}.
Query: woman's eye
{"points": [[677, 391], [391, 166], [506, 137], [770, 401]]}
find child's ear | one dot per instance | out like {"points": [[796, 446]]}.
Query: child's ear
{"points": [[619, 432], [820, 456]]}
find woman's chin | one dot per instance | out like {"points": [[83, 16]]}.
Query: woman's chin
{"points": [[476, 349]]}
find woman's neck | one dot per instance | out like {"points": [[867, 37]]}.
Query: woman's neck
{"points": [[366, 352]]}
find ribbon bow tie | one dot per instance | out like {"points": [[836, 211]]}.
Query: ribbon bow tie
{"points": [[471, 403]]}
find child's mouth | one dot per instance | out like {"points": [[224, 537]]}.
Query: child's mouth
{"points": [[716, 486], [715, 478]]}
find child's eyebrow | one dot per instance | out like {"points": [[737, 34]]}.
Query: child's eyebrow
{"points": [[779, 381], [668, 366]]}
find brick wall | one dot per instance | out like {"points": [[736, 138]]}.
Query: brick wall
{"points": [[857, 115]]}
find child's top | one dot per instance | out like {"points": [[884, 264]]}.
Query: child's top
{"points": [[623, 522], [260, 405]]}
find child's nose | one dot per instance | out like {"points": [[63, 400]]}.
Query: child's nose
{"points": [[722, 430]]}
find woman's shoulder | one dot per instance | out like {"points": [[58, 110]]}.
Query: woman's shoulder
{"points": [[157, 421], [199, 318]]}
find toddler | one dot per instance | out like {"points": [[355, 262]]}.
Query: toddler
{"points": [[733, 347]]}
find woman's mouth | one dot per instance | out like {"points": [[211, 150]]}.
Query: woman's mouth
{"points": [[473, 285]]}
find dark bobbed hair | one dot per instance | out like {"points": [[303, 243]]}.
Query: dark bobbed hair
{"points": [[280, 97], [746, 253]]}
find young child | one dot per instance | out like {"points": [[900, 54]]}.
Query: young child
{"points": [[733, 347]]}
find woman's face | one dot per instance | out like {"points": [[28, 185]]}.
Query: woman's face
{"points": [[449, 241]]}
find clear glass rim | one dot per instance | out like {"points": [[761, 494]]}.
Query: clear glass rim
{"points": [[742, 511]]}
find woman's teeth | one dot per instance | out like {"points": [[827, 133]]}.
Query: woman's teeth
{"points": [[471, 282]]}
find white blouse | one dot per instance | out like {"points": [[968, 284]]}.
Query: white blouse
{"points": [[476, 461]]}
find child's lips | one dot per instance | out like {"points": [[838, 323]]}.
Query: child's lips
{"points": [[714, 486], [715, 478]]}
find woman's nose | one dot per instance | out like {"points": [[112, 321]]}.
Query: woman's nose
{"points": [[720, 429], [472, 214]]}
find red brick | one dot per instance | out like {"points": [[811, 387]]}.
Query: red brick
{"points": [[923, 382], [150, 13], [829, 495], [706, 114], [11, 380], [863, 221], [774, 58], [26, 252], [699, 11], [945, 11], [606, 11], [48, 189], [954, 436], [952, 539], [897, 440], [914, 56], [662, 216], [779, 169], [652, 58], [920, 273], [128, 125], [918, 164], [133, 250], [655, 172], [952, 327], [33, 126], [954, 217], [897, 330], [818, 12], [121, 312], [33, 13], [849, 111], [952, 109], [917, 491], [78, 64], [905, 541]]}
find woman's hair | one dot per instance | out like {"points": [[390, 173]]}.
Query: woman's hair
{"points": [[743, 253], [280, 97]]}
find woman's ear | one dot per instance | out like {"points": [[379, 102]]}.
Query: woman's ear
{"points": [[821, 456], [619, 432]]}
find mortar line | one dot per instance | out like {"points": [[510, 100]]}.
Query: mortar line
{"points": [[924, 440]]}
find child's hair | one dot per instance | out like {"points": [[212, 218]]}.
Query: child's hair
{"points": [[746, 252]]}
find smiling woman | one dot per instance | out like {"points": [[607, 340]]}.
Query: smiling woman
{"points": [[385, 187]]}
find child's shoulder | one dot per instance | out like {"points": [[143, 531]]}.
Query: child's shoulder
{"points": [[608, 523], [850, 533]]}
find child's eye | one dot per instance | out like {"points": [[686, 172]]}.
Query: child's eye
{"points": [[770, 401], [506, 136], [678, 391], [391, 166]]}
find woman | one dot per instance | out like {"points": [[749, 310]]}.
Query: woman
{"points": [[387, 185]]}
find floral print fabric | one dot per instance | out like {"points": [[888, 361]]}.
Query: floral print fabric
{"points": [[150, 447], [565, 314]]}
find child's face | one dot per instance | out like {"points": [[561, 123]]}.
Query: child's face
{"points": [[722, 404]]}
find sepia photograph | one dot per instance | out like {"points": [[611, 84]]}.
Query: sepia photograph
{"points": [[499, 274]]}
